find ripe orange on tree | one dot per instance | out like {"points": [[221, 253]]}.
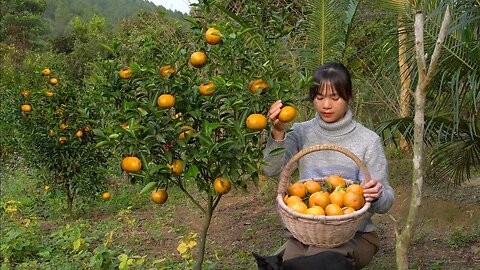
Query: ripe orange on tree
{"points": [[206, 89], [63, 126], [165, 101], [46, 188], [53, 81], [106, 195], [187, 130], [176, 166], [297, 189], [79, 133], [25, 107], [25, 92], [49, 93], [221, 185], [312, 186], [333, 210], [87, 129], [52, 132], [287, 114], [258, 85], [125, 73], [62, 139], [213, 36], [167, 70], [131, 164], [319, 198], [159, 196], [198, 59], [46, 72], [335, 181], [256, 121]]}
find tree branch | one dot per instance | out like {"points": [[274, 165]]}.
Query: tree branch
{"points": [[419, 48], [438, 46]]}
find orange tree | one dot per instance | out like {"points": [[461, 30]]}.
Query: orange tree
{"points": [[56, 121], [182, 120]]}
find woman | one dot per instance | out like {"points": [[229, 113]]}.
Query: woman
{"points": [[333, 124]]}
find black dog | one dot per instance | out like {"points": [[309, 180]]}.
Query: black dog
{"points": [[327, 260]]}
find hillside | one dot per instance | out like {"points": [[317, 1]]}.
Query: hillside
{"points": [[59, 13]]}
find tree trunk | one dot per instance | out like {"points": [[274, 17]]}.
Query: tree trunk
{"points": [[69, 199], [425, 75], [203, 234], [405, 79]]}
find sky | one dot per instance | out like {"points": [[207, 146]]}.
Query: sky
{"points": [[180, 5]]}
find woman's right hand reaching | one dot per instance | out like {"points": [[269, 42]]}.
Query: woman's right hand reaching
{"points": [[278, 127]]}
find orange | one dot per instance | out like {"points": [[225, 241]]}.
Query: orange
{"points": [[353, 200], [258, 85], [131, 164], [62, 139], [26, 108], [125, 73], [79, 133], [312, 186], [166, 101], [213, 36], [159, 196], [297, 189], [53, 81], [176, 166], [46, 72], [336, 197], [315, 211], [256, 121], [46, 188], [287, 114], [63, 126], [299, 207], [167, 70], [291, 199], [334, 181], [49, 93], [106, 195], [125, 126], [319, 198], [198, 59], [347, 210], [206, 89], [333, 210], [355, 188], [221, 185], [188, 131], [87, 129], [52, 132], [25, 92]]}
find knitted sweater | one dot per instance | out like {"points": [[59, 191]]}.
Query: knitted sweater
{"points": [[346, 133]]}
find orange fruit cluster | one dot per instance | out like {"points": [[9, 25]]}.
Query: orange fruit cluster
{"points": [[333, 198]]}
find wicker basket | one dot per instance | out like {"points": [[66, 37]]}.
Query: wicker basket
{"points": [[321, 231]]}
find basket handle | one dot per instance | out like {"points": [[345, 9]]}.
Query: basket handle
{"points": [[287, 170]]}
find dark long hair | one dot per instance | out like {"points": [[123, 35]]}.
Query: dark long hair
{"points": [[335, 75]]}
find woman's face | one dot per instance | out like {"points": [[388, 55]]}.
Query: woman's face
{"points": [[330, 105]]}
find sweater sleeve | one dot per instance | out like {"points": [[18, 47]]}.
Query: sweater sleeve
{"points": [[376, 163], [273, 165]]}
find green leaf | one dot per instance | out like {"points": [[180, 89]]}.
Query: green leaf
{"points": [[114, 136], [278, 151], [148, 188]]}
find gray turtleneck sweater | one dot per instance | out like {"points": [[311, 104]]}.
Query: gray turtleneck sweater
{"points": [[346, 133]]}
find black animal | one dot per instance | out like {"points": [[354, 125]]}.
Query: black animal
{"points": [[327, 260]]}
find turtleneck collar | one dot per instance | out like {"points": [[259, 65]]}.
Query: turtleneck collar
{"points": [[341, 127]]}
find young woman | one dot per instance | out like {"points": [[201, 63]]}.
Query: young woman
{"points": [[333, 124]]}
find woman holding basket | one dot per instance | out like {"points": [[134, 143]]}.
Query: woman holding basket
{"points": [[333, 124]]}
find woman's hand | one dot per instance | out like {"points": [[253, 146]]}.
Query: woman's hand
{"points": [[372, 190], [278, 127]]}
